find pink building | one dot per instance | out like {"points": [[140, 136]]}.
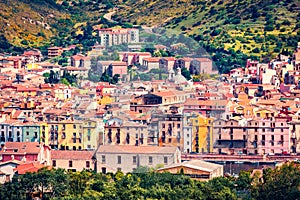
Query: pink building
{"points": [[266, 133], [117, 67], [133, 58], [167, 63], [251, 66], [26, 151], [72, 160], [201, 66]]}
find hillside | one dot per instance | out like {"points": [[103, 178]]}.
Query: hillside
{"points": [[260, 28], [33, 23], [28, 23]]}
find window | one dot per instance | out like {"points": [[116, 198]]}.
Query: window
{"points": [[119, 169], [54, 163], [134, 159], [119, 160], [103, 159], [87, 164], [282, 130], [165, 160], [74, 126], [150, 160], [27, 133], [178, 125], [70, 163], [163, 125]]}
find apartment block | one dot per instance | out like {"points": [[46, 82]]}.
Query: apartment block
{"points": [[110, 37]]}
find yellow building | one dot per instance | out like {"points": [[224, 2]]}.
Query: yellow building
{"points": [[44, 133], [31, 66], [66, 134], [74, 135], [92, 131], [263, 113], [105, 100], [202, 131]]}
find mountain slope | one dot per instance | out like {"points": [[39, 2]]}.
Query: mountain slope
{"points": [[32, 23], [28, 23], [259, 28]]}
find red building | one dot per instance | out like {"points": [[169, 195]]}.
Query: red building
{"points": [[25, 151]]}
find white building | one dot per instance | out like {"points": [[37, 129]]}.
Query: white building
{"points": [[127, 158], [110, 37]]}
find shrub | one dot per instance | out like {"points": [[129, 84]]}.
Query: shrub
{"points": [[286, 22], [277, 50], [216, 32], [282, 29], [256, 50], [24, 42], [269, 27]]}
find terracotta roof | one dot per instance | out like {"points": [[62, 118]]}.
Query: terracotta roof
{"points": [[21, 148], [164, 93], [202, 59], [152, 59], [71, 155], [168, 58], [125, 149], [29, 167]]}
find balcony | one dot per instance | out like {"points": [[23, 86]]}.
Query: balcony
{"points": [[280, 142]]}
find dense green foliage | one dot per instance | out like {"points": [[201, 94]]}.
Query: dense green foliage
{"points": [[54, 77], [280, 183], [229, 30]]}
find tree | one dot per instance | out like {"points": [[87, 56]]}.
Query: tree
{"points": [[53, 77], [244, 180], [186, 73], [115, 79], [79, 182], [69, 79], [279, 183]]}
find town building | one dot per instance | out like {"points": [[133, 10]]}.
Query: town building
{"points": [[196, 169], [110, 37], [72, 160], [128, 158]]}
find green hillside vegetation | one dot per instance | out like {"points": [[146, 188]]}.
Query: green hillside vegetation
{"points": [[27, 23], [41, 23], [256, 28]]}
